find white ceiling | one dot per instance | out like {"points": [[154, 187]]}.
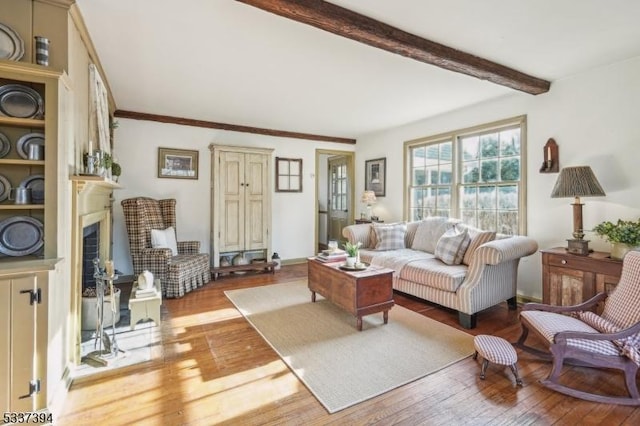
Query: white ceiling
{"points": [[225, 61]]}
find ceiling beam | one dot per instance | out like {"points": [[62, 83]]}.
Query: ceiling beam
{"points": [[349, 24], [230, 127]]}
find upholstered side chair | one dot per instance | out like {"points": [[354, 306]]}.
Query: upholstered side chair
{"points": [[179, 274], [576, 335]]}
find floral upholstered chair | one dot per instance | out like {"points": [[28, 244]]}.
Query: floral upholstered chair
{"points": [[151, 226], [578, 336]]}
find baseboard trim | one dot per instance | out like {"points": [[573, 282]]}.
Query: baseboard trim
{"points": [[527, 299], [296, 261]]}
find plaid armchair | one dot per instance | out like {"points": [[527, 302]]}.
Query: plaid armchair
{"points": [[178, 274], [575, 334]]}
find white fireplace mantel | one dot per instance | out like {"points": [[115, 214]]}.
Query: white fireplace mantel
{"points": [[91, 203]]}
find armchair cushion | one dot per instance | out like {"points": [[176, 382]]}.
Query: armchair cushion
{"points": [[165, 238]]}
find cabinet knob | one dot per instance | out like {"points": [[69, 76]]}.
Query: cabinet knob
{"points": [[564, 262]]}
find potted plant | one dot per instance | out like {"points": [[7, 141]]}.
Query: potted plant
{"points": [[352, 253], [116, 171], [624, 235]]}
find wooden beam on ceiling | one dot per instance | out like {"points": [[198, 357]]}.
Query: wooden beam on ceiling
{"points": [[352, 25], [230, 127]]}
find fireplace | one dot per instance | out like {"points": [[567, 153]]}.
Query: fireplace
{"points": [[91, 238], [90, 250]]}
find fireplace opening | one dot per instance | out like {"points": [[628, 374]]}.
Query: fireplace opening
{"points": [[90, 250]]}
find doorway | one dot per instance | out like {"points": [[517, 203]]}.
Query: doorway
{"points": [[334, 194]]}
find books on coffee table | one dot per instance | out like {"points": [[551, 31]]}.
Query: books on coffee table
{"points": [[332, 256]]}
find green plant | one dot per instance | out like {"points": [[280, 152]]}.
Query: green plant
{"points": [[352, 249], [116, 170], [107, 160], [623, 231]]}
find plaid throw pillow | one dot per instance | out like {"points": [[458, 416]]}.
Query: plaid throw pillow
{"points": [[390, 237], [452, 246]]}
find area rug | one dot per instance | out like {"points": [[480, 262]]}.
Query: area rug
{"points": [[338, 364]]}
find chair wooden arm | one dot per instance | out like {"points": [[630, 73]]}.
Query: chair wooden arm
{"points": [[584, 306], [563, 336]]}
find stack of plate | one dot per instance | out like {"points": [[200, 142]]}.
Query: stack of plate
{"points": [[5, 145], [17, 100], [11, 45], [21, 235]]}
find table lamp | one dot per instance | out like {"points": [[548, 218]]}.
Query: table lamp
{"points": [[578, 181], [368, 197]]}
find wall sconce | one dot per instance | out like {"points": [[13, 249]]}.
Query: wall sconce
{"points": [[551, 163]]}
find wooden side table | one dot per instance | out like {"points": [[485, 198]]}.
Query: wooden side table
{"points": [[359, 221], [145, 307], [570, 279]]}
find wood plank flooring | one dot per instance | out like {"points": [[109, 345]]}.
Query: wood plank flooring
{"points": [[214, 368]]}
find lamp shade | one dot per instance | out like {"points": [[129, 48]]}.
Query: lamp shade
{"points": [[577, 181], [368, 197]]}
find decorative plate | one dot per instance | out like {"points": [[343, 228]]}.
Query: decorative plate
{"points": [[5, 188], [36, 183], [21, 235], [344, 267], [5, 145], [20, 101], [22, 146], [11, 45]]}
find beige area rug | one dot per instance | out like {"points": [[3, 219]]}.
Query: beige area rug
{"points": [[338, 364]]}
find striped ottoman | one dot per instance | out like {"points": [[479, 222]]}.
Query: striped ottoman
{"points": [[497, 350]]}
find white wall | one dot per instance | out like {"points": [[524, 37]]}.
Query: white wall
{"points": [[592, 116], [136, 149]]}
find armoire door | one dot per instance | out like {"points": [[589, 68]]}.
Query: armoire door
{"points": [[232, 213], [256, 213]]}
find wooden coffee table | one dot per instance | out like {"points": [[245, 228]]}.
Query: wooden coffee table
{"points": [[358, 292]]}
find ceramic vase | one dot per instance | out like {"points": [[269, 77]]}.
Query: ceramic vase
{"points": [[351, 261], [619, 250]]}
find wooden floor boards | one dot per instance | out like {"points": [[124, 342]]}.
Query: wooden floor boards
{"points": [[214, 368]]}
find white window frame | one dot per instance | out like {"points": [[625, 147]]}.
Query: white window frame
{"points": [[454, 137]]}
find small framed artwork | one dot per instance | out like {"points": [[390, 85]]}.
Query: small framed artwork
{"points": [[177, 163], [375, 176], [288, 174]]}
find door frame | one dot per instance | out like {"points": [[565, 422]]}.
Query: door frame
{"points": [[350, 156]]}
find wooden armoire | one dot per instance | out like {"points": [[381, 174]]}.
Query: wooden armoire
{"points": [[240, 204]]}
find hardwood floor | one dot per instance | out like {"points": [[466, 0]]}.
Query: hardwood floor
{"points": [[214, 368]]}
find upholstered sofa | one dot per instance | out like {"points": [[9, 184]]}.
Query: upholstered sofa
{"points": [[445, 262]]}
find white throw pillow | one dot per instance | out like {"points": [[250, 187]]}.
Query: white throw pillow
{"points": [[451, 246], [390, 237], [165, 238], [429, 231]]}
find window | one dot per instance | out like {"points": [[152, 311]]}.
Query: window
{"points": [[476, 175]]}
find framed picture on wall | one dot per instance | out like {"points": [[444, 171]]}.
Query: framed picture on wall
{"points": [[177, 163], [375, 176]]}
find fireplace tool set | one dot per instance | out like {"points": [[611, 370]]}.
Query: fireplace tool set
{"points": [[102, 343]]}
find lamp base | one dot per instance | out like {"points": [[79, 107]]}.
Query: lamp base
{"points": [[580, 247]]}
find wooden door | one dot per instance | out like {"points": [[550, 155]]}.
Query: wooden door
{"points": [[256, 206], [231, 210], [339, 197]]}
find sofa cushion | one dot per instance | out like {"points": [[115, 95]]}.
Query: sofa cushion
{"points": [[390, 237], [452, 245], [434, 273], [478, 237], [429, 232]]}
